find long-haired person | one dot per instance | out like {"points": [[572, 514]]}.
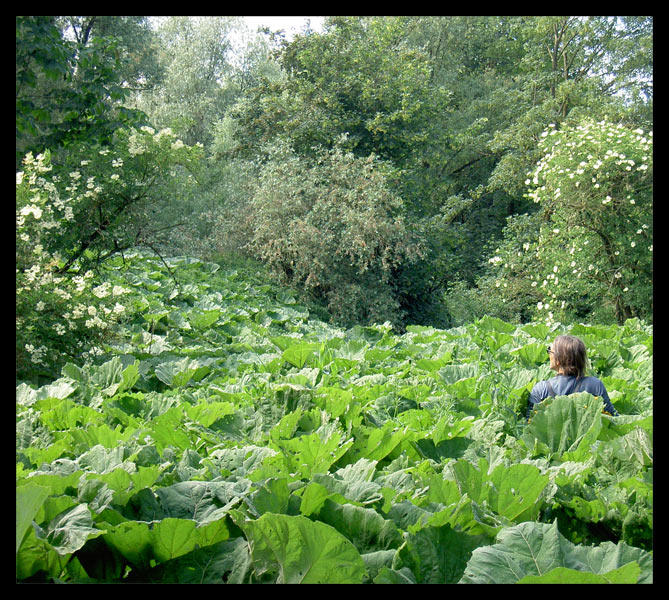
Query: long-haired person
{"points": [[568, 358]]}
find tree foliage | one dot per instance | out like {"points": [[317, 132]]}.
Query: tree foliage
{"points": [[380, 165], [589, 251], [333, 227], [72, 77], [196, 86], [458, 105], [70, 218]]}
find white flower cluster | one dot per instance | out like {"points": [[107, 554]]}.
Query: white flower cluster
{"points": [[52, 306], [598, 148]]}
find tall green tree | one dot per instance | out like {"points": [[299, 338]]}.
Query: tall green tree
{"points": [[73, 75], [361, 79], [196, 88], [510, 78], [571, 68], [334, 227]]}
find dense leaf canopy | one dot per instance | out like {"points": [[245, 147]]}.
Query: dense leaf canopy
{"points": [[280, 304]]}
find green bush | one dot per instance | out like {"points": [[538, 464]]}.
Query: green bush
{"points": [[69, 218], [588, 254], [333, 228]]}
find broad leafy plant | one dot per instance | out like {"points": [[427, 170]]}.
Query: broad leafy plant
{"points": [[227, 436]]}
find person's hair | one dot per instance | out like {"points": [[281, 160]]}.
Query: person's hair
{"points": [[570, 353]]}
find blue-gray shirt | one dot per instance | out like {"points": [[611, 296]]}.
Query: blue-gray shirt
{"points": [[563, 385]]}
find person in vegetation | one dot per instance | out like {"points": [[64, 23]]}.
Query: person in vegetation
{"points": [[568, 357]]}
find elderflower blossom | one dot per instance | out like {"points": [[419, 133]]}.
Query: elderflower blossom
{"points": [[49, 304], [95, 322], [102, 291], [36, 211], [79, 283], [62, 293], [135, 146], [166, 131]]}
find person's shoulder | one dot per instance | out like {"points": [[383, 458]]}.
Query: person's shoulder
{"points": [[539, 391]]}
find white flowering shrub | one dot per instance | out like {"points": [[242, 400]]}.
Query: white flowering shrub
{"points": [[591, 253], [58, 316], [124, 194], [68, 217]]}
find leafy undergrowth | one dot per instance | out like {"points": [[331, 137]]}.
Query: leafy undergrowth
{"points": [[227, 437]]}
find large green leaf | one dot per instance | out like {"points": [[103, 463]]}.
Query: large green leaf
{"points": [[201, 501], [29, 499], [294, 549], [566, 424], [376, 443], [224, 562], [142, 542], [365, 527], [167, 429], [514, 491], [309, 454], [352, 482], [298, 354], [536, 549], [628, 573], [64, 414], [531, 355], [132, 539], [458, 372], [437, 554], [489, 323], [177, 373], [69, 531], [208, 413], [204, 319]]}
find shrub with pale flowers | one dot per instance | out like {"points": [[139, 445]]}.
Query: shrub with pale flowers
{"points": [[68, 217], [58, 317], [591, 252]]}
